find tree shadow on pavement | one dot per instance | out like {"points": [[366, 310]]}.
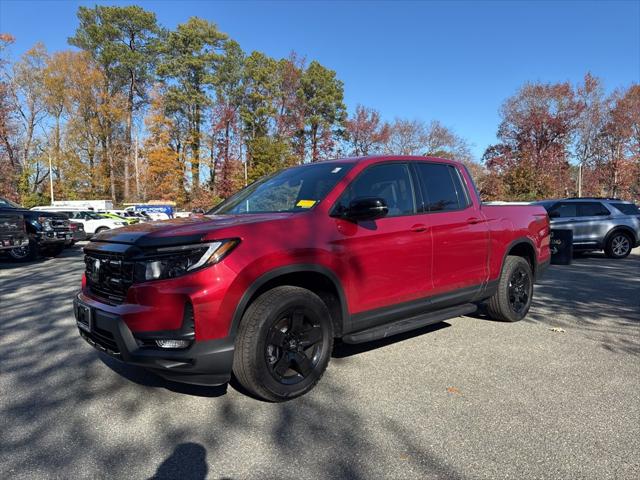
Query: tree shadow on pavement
{"points": [[595, 296]]}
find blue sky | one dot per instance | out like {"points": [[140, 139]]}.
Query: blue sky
{"points": [[451, 61]]}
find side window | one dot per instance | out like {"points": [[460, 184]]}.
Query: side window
{"points": [[627, 208], [390, 182], [442, 188], [564, 210], [594, 209]]}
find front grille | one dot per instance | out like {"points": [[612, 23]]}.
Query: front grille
{"points": [[60, 225], [102, 340], [108, 275]]}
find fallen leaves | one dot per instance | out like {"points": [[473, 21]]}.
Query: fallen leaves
{"points": [[454, 391], [557, 329]]}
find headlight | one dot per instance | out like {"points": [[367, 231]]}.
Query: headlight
{"points": [[171, 262], [45, 223]]}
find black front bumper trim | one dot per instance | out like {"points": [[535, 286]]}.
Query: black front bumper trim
{"points": [[206, 362]]}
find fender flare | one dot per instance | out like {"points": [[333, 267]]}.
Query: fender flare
{"points": [[278, 272], [620, 228], [516, 242]]}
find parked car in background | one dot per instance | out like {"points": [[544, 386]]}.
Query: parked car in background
{"points": [[357, 249], [92, 221], [47, 232], [77, 230], [140, 216], [153, 211], [13, 232], [113, 216], [605, 224]]}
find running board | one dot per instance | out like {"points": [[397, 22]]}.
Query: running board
{"points": [[408, 324]]}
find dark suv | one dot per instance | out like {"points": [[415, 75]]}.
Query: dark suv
{"points": [[605, 224], [48, 232]]}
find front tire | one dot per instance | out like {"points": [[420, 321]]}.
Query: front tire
{"points": [[618, 246], [27, 253], [512, 300], [284, 344]]}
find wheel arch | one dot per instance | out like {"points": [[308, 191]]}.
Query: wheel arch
{"points": [[522, 247], [316, 278], [620, 229]]}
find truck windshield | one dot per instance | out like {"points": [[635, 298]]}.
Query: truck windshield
{"points": [[293, 190], [4, 203]]}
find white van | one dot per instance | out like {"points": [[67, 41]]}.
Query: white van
{"points": [[92, 221]]}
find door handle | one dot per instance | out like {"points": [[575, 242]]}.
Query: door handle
{"points": [[418, 228], [473, 220]]}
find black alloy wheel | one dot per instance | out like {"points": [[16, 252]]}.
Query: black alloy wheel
{"points": [[283, 344], [519, 290], [293, 347]]}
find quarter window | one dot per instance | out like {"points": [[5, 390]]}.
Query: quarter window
{"points": [[627, 208], [442, 188]]}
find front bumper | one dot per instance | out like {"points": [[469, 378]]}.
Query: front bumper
{"points": [[53, 237], [203, 363], [9, 241]]}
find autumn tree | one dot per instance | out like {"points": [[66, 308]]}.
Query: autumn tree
{"points": [[366, 133], [535, 133], [189, 57], [26, 97], [225, 128], [322, 95], [123, 40], [617, 166], [163, 173], [8, 148]]}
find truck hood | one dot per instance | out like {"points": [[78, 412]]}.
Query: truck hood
{"points": [[181, 231], [35, 213]]}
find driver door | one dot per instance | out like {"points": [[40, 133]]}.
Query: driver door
{"points": [[386, 261]]}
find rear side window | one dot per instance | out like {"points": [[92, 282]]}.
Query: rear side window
{"points": [[563, 210], [390, 181], [442, 188], [627, 208], [594, 209]]}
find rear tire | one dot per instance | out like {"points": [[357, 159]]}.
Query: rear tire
{"points": [[27, 253], [284, 344], [512, 300], [618, 246]]}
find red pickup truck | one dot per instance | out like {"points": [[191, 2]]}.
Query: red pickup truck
{"points": [[355, 249]]}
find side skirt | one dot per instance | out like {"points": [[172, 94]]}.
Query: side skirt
{"points": [[407, 324]]}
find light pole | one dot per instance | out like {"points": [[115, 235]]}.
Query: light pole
{"points": [[50, 178]]}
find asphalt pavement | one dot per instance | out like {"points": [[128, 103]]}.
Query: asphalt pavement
{"points": [[556, 395]]}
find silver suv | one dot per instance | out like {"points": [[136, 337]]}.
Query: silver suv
{"points": [[605, 224]]}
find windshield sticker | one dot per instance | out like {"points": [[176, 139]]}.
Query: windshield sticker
{"points": [[306, 203], [336, 170]]}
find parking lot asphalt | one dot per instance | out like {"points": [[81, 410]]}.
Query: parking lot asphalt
{"points": [[556, 395]]}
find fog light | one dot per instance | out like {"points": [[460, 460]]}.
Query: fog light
{"points": [[173, 343]]}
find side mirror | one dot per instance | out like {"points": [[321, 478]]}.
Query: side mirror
{"points": [[366, 208]]}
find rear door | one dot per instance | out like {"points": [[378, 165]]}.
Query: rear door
{"points": [[459, 231], [591, 225]]}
